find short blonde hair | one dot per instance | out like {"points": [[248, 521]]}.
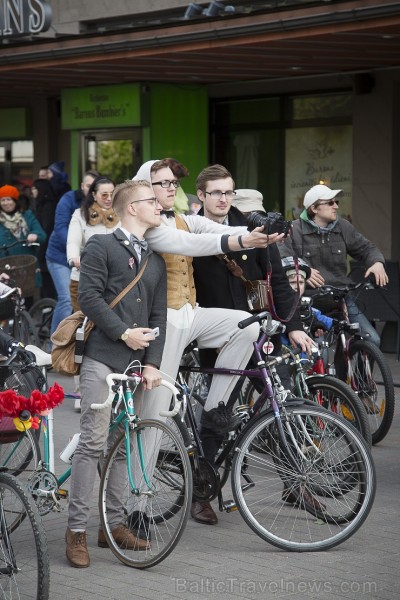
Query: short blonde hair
{"points": [[125, 193]]}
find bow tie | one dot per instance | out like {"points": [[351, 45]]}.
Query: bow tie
{"points": [[136, 242], [168, 213]]}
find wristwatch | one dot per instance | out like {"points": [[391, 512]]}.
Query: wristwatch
{"points": [[124, 336]]}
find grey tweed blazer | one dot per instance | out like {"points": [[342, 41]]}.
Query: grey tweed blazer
{"points": [[108, 265]]}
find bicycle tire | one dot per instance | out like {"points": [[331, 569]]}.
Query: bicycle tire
{"points": [[22, 455], [376, 390], [179, 428], [24, 329], [168, 472], [24, 558], [41, 313], [338, 397], [327, 475]]}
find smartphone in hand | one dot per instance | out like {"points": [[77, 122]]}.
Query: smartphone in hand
{"points": [[152, 334]]}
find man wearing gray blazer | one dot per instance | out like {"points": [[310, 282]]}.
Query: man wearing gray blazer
{"points": [[108, 264]]}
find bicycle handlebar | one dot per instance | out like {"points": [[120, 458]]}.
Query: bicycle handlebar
{"points": [[331, 290], [259, 317], [18, 242], [9, 293], [112, 377]]}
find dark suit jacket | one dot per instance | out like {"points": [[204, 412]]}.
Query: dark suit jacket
{"points": [[217, 287], [108, 265]]}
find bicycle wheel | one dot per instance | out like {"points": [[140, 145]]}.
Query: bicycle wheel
{"points": [[21, 455], [24, 559], [159, 478], [42, 313], [373, 383], [24, 329], [339, 398], [311, 486]]}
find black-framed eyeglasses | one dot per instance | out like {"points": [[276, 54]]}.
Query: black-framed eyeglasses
{"points": [[152, 200], [329, 202], [166, 183], [217, 194]]}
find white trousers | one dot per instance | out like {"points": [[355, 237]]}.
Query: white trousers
{"points": [[212, 328]]}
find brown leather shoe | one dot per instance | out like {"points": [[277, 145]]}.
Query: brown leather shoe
{"points": [[77, 552], [202, 512], [124, 538]]}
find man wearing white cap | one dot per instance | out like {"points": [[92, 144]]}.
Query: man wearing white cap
{"points": [[323, 240]]}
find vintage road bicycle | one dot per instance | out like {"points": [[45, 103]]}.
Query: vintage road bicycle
{"points": [[157, 477], [302, 477]]}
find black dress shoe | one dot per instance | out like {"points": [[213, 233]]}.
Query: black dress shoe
{"points": [[220, 419], [139, 523], [202, 512]]}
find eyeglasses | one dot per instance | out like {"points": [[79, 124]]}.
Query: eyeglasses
{"points": [[166, 183], [152, 200], [217, 195], [329, 203], [105, 195]]}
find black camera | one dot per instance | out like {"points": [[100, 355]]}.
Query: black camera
{"points": [[273, 222]]}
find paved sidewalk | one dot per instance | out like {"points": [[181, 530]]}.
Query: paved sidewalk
{"points": [[229, 561]]}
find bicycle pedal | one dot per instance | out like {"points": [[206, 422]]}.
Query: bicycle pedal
{"points": [[62, 493], [229, 506]]}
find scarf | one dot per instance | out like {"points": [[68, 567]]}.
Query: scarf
{"points": [[15, 223], [106, 216], [304, 217]]}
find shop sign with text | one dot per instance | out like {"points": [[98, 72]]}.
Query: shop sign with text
{"points": [[24, 17]]}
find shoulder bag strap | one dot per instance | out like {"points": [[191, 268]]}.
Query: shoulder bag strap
{"points": [[232, 266], [129, 286]]}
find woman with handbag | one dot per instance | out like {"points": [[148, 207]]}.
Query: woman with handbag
{"points": [[95, 215]]}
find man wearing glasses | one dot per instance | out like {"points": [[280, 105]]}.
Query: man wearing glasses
{"points": [[178, 240], [121, 336], [323, 240]]}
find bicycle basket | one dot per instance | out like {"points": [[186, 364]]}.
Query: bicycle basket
{"points": [[22, 379], [22, 269], [8, 432]]}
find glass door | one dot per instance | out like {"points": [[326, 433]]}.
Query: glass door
{"points": [[116, 153]]}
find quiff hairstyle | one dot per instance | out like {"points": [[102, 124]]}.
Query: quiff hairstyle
{"points": [[212, 173], [125, 193], [160, 164]]}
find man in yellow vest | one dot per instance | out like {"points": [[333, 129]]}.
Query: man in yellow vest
{"points": [[211, 327]]}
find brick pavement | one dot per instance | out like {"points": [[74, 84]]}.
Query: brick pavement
{"points": [[229, 561]]}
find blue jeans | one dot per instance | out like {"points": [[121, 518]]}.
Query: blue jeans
{"points": [[356, 316], [60, 275]]}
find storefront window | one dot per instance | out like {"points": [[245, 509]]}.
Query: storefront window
{"points": [[283, 146]]}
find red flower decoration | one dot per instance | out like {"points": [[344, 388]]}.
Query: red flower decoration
{"points": [[12, 404]]}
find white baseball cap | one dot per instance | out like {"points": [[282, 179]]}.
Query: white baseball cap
{"points": [[319, 192]]}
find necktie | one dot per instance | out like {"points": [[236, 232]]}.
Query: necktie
{"points": [[168, 213], [136, 242]]}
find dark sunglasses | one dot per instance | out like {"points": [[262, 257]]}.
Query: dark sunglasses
{"points": [[329, 203]]}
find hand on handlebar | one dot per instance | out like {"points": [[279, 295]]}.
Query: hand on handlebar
{"points": [[300, 338], [378, 270], [151, 377]]}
